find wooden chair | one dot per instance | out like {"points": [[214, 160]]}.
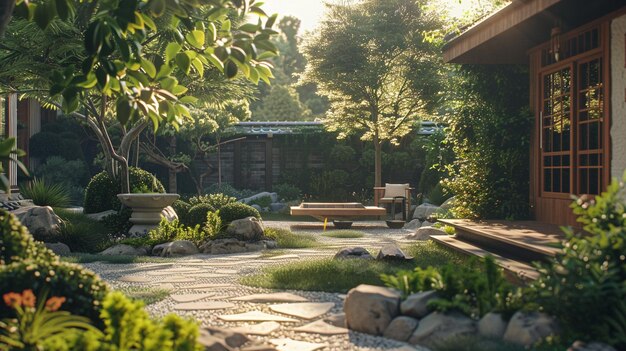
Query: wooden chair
{"points": [[386, 195]]}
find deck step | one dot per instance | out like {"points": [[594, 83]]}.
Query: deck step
{"points": [[515, 269], [525, 241]]}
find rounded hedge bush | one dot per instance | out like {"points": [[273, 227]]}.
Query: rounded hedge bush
{"points": [[197, 214], [237, 210], [82, 288], [182, 209], [45, 144], [101, 192], [16, 243]]}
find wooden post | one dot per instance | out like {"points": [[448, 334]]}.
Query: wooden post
{"points": [[269, 163]]}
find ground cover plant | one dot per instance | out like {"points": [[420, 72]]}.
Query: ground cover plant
{"points": [[342, 275], [81, 233], [286, 239]]}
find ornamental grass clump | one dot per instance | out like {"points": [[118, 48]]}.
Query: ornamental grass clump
{"points": [[45, 194]]}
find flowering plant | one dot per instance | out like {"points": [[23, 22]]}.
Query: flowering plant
{"points": [[36, 323]]}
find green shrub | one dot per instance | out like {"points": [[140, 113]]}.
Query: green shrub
{"points": [[16, 243], [438, 195], [169, 231], [584, 284], [197, 214], [237, 210], [82, 288], [45, 144], [71, 148], [46, 194], [489, 134], [411, 282], [101, 192], [263, 201], [81, 233], [182, 209], [58, 170], [288, 192], [228, 190], [213, 225], [119, 223], [216, 201], [129, 327], [286, 239]]}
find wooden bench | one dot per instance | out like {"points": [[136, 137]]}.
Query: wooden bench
{"points": [[330, 210]]}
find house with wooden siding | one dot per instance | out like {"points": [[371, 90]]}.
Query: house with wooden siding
{"points": [[576, 54]]}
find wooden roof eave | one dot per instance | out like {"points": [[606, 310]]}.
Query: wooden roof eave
{"points": [[495, 39]]}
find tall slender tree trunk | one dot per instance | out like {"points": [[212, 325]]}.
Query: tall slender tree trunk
{"points": [[172, 173], [6, 10], [378, 162]]}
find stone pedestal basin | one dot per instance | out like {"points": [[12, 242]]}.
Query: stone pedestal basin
{"points": [[147, 210]]}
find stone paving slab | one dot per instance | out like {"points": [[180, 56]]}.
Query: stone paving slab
{"points": [[306, 310], [178, 280], [207, 286], [208, 275], [203, 306], [273, 297], [227, 271], [255, 316], [321, 327], [294, 345], [136, 279], [190, 297], [175, 273], [263, 328]]}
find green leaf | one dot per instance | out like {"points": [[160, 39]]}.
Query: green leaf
{"points": [[225, 26], [158, 7], [216, 62], [183, 62], [249, 27], [42, 16], [195, 38], [124, 110], [6, 146], [148, 67], [149, 22], [231, 69], [179, 90], [197, 64], [63, 9], [171, 50], [188, 99], [169, 83], [271, 21]]}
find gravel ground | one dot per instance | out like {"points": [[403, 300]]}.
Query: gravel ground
{"points": [[228, 269]]}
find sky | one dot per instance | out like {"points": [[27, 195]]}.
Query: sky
{"points": [[310, 12]]}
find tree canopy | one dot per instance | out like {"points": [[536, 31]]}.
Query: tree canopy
{"points": [[372, 61]]}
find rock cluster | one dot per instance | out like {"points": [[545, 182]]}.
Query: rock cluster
{"points": [[389, 252], [275, 206], [380, 311]]}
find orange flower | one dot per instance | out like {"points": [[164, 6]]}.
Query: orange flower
{"points": [[12, 299], [54, 303], [28, 298]]}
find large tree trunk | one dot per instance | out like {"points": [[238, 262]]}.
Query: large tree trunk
{"points": [[6, 10], [378, 161]]}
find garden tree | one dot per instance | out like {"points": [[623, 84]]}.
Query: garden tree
{"points": [[282, 104], [373, 63], [123, 60], [203, 136]]}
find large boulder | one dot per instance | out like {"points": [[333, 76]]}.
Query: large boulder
{"points": [[401, 328], [124, 250], [249, 229], [492, 325], [528, 328], [423, 211], [353, 252], [438, 327], [392, 252], [41, 221], [59, 248], [424, 233], [175, 249], [413, 224], [273, 196], [370, 309], [278, 207], [416, 305]]}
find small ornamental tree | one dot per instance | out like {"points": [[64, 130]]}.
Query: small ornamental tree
{"points": [[122, 62], [372, 61]]}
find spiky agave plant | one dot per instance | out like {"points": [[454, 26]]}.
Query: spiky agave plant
{"points": [[44, 194]]}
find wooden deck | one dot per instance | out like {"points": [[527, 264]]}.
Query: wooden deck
{"points": [[514, 244]]}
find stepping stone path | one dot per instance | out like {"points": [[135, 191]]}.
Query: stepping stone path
{"points": [[321, 327], [206, 305], [306, 310], [190, 297], [255, 316], [294, 345], [264, 328], [207, 287], [274, 297]]}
